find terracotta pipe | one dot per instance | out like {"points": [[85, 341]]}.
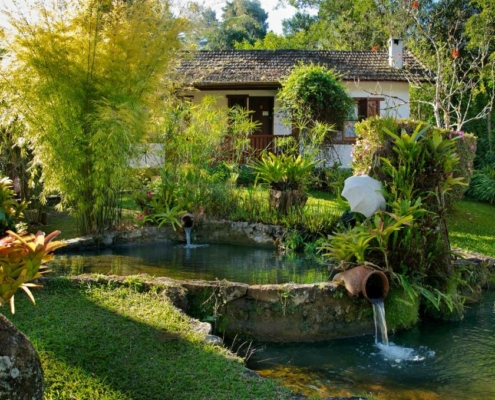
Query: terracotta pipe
{"points": [[373, 284], [187, 220]]}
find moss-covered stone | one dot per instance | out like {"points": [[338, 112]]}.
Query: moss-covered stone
{"points": [[401, 311]]}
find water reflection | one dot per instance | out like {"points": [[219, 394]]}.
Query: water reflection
{"points": [[433, 361], [234, 263]]}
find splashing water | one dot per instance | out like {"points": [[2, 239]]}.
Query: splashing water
{"points": [[380, 323]]}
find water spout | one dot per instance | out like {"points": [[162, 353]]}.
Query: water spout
{"points": [[187, 221], [372, 284], [381, 335], [187, 230]]}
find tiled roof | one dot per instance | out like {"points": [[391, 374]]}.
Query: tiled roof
{"points": [[267, 67]]}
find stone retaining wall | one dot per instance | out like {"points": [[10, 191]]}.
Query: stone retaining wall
{"points": [[207, 231], [279, 313]]}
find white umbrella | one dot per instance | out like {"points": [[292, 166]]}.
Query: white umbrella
{"points": [[363, 194]]}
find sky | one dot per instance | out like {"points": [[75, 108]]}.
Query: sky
{"points": [[275, 14]]}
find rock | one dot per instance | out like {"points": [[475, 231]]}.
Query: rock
{"points": [[21, 375], [214, 340], [201, 327]]}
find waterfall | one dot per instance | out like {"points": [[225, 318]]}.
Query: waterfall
{"points": [[188, 236], [380, 322]]}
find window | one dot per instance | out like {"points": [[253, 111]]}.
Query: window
{"points": [[238, 100], [364, 108]]}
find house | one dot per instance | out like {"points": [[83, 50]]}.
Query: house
{"points": [[377, 80]]}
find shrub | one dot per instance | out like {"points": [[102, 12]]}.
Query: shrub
{"points": [[483, 185], [312, 92], [10, 210], [372, 139]]}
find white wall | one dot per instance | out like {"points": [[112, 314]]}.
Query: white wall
{"points": [[395, 95], [395, 104]]}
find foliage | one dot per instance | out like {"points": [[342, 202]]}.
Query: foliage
{"points": [[85, 79], [11, 210], [402, 310], [22, 259], [372, 138], [285, 172], [315, 93], [334, 177], [482, 186], [416, 165], [242, 20]]}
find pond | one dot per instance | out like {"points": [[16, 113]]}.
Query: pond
{"points": [[206, 262], [437, 360]]}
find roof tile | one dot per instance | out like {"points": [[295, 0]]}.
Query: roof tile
{"points": [[263, 67]]}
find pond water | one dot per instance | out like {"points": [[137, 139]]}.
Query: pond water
{"points": [[436, 360], [206, 262]]}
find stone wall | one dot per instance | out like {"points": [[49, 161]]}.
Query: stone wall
{"points": [[279, 313], [207, 231]]}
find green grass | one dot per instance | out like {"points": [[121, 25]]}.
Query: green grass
{"points": [[471, 227], [101, 342], [61, 221]]}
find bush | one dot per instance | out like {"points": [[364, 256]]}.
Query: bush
{"points": [[312, 92], [11, 211], [372, 139], [482, 186]]}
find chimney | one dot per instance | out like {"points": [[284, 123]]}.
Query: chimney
{"points": [[395, 53]]}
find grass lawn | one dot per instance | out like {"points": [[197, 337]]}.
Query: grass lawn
{"points": [[101, 342], [472, 228]]}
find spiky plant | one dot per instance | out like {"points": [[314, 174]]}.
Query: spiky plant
{"points": [[22, 259]]}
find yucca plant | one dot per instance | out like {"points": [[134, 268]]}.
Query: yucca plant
{"points": [[22, 259], [285, 172], [288, 177]]}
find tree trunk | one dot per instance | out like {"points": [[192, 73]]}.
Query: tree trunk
{"points": [[285, 200]]}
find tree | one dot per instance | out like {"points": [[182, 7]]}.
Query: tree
{"points": [[462, 67], [87, 77], [452, 38], [243, 20], [350, 24], [203, 26]]}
